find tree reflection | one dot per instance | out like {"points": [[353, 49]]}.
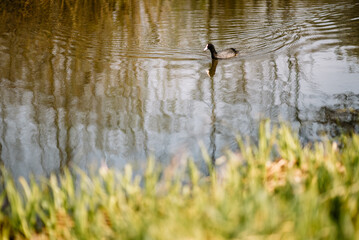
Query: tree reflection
{"points": [[118, 80], [341, 117]]}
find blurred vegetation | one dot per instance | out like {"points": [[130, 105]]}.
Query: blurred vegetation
{"points": [[275, 189]]}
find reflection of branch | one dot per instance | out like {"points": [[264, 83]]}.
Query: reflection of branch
{"points": [[209, 18], [1, 161], [153, 24], [213, 117]]}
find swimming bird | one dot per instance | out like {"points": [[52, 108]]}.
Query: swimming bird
{"points": [[227, 53]]}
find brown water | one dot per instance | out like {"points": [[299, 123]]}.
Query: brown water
{"points": [[88, 81]]}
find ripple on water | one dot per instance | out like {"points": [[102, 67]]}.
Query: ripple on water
{"points": [[127, 82]]}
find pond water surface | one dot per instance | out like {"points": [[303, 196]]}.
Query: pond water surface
{"points": [[83, 82]]}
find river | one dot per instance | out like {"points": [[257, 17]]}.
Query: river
{"points": [[115, 81]]}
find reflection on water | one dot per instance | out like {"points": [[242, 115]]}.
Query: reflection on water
{"points": [[212, 70], [341, 116], [116, 81]]}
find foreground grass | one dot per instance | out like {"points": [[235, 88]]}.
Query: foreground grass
{"points": [[275, 189]]}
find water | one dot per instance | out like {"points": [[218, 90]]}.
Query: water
{"points": [[116, 81]]}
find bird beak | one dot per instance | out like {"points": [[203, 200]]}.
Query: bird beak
{"points": [[206, 48]]}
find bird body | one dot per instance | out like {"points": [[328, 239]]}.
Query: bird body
{"points": [[227, 53]]}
